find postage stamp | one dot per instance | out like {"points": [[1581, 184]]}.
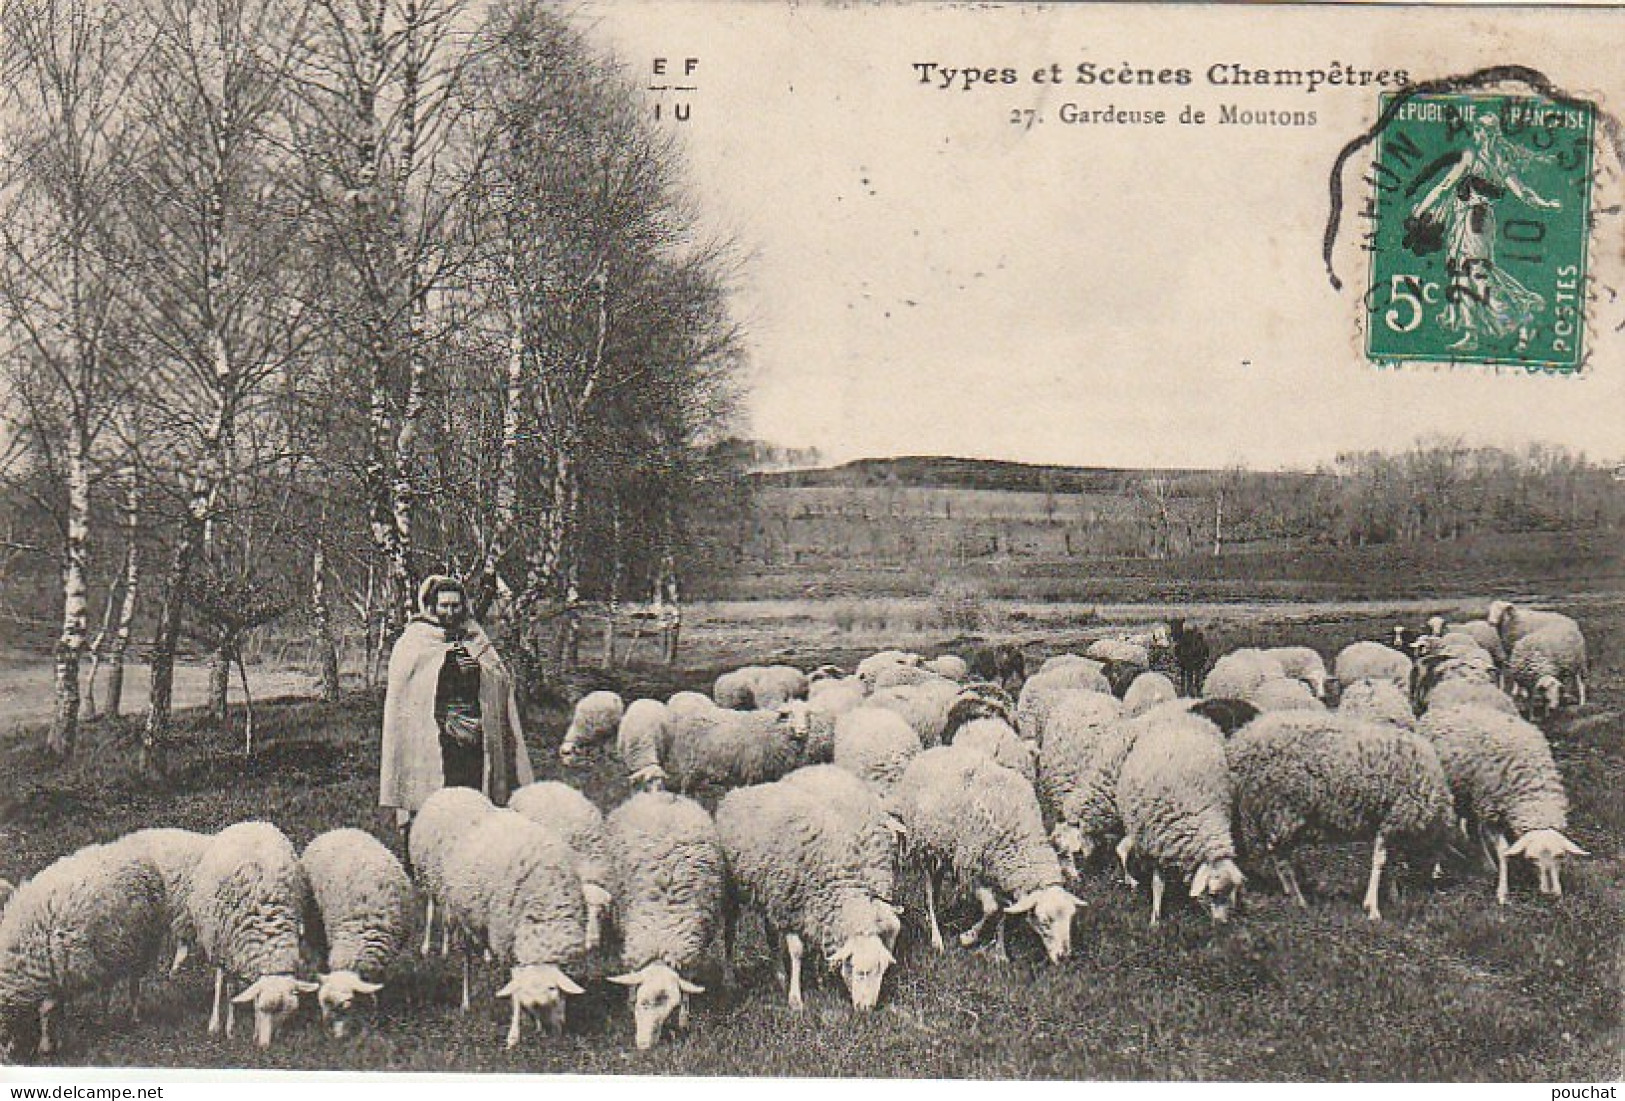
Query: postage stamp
{"points": [[1482, 210]]}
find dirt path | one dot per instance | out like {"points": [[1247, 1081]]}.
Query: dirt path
{"points": [[26, 696]]}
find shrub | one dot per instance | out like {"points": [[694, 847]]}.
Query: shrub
{"points": [[959, 605]]}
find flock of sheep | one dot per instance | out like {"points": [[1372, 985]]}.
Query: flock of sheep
{"points": [[839, 793]]}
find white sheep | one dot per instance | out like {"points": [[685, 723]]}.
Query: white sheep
{"points": [[977, 823], [1464, 693], [1147, 691], [1377, 701], [875, 745], [575, 818], [1118, 650], [361, 914], [1041, 693], [1236, 674], [726, 748], [175, 852], [777, 685], [1302, 663], [1175, 799], [1283, 694], [836, 695], [249, 897], [594, 721], [1303, 775], [1083, 749], [815, 852], [999, 740], [871, 666], [1507, 786], [84, 923], [736, 688], [1365, 660], [925, 706], [951, 666], [442, 821], [1546, 662], [679, 704], [640, 743], [900, 676], [1481, 631], [668, 876], [512, 888], [1061, 661], [1513, 622]]}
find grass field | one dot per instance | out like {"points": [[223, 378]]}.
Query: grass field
{"points": [[1450, 987]]}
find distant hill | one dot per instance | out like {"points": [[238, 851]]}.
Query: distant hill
{"points": [[947, 472]]}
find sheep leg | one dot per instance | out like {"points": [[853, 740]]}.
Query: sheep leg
{"points": [[792, 945], [514, 1023], [219, 997], [1373, 889], [182, 950], [730, 931], [231, 1014], [445, 936], [1501, 847], [1124, 848], [1580, 688], [931, 911], [135, 999], [682, 1013], [555, 1018], [990, 909], [1158, 885], [47, 1014], [428, 929], [1289, 882], [468, 976]]}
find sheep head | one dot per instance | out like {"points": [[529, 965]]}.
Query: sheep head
{"points": [[537, 988], [658, 991], [336, 993], [1218, 883], [1069, 843], [1498, 610], [862, 961], [274, 998], [1050, 911], [1547, 695], [1547, 848]]}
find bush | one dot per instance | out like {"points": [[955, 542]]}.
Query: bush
{"points": [[959, 605]]}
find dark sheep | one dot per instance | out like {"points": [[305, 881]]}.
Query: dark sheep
{"points": [[978, 701], [1226, 714], [1121, 674], [1004, 665]]}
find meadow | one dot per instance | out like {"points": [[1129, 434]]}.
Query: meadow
{"points": [[1449, 987]]}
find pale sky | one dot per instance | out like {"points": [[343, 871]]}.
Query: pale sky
{"points": [[926, 277]]}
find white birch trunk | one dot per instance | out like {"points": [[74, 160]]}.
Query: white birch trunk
{"points": [[71, 642]]}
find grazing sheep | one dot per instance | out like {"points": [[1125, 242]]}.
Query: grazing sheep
{"points": [[1302, 663], [1236, 674], [248, 898], [736, 689], [815, 853], [1507, 786], [833, 697], [1042, 692], [576, 819], [445, 818], [977, 823], [1108, 650], [1004, 665], [1061, 661], [668, 876], [1377, 701], [978, 700], [874, 745], [999, 740], [1372, 661], [1147, 691], [362, 907], [924, 706], [640, 742], [595, 719], [1078, 762], [727, 748], [870, 667], [512, 888], [1453, 657], [683, 703], [86, 922], [1464, 693], [951, 666], [777, 685], [1190, 655], [1121, 674], [1302, 775], [902, 676], [1227, 714], [1284, 694], [1546, 662], [175, 853], [1481, 631], [1513, 622], [1175, 799]]}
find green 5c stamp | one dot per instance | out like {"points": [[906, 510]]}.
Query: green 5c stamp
{"points": [[1481, 216]]}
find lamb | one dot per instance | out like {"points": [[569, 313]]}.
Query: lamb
{"points": [[1546, 662], [1302, 663], [951, 666], [86, 922], [248, 898], [1372, 661], [668, 876], [595, 719], [1236, 674], [1147, 691], [512, 887], [728, 748], [571, 815], [874, 745], [924, 706], [1505, 784], [1463, 693], [640, 742], [442, 822], [1175, 799], [1377, 701], [1300, 775], [999, 741], [1284, 694], [175, 852], [977, 823], [815, 853], [362, 905]]}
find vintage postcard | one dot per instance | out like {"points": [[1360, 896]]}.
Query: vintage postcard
{"points": [[740, 540]]}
